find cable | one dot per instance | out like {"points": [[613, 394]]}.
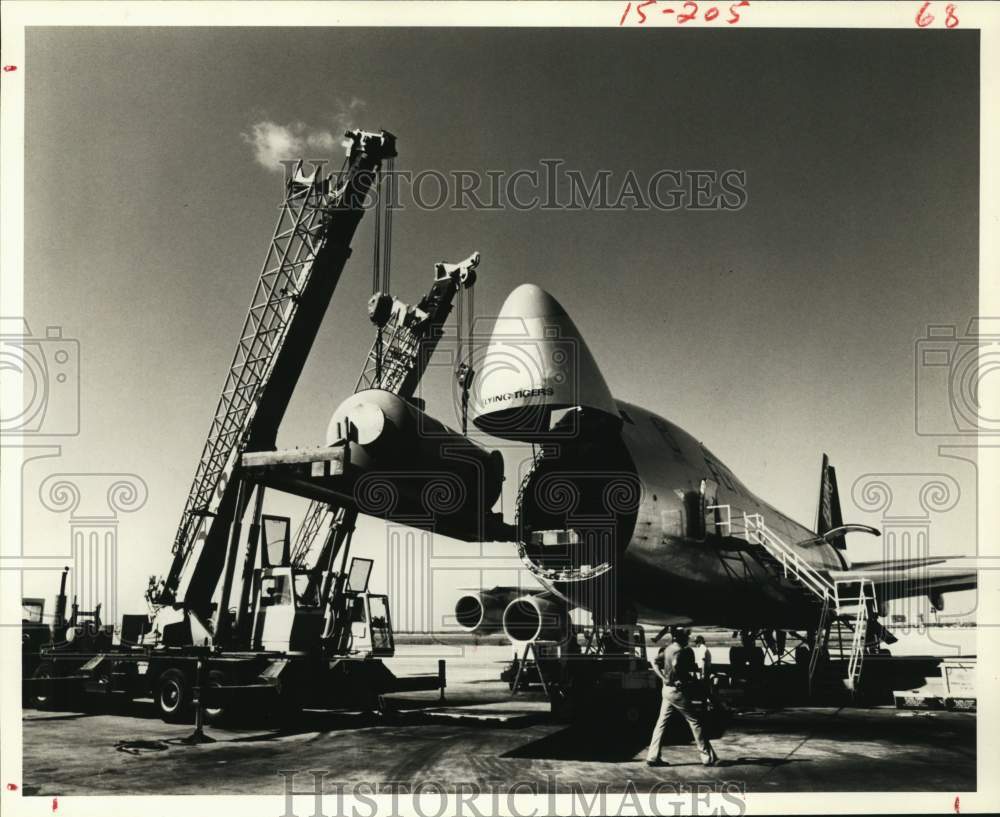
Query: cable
{"points": [[376, 273], [460, 327], [389, 193], [470, 331]]}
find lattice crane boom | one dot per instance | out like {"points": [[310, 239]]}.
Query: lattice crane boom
{"points": [[308, 251]]}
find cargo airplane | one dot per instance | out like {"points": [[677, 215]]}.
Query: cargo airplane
{"points": [[626, 515], [620, 513]]}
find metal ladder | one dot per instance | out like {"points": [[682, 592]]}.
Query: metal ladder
{"points": [[865, 599]]}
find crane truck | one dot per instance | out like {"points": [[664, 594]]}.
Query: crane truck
{"points": [[245, 618]]}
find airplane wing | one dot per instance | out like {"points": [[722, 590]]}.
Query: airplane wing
{"points": [[901, 578]]}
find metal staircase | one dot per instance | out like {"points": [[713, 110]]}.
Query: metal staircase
{"points": [[845, 602], [865, 601]]}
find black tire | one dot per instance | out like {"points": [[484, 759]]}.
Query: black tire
{"points": [[173, 696], [42, 695], [217, 714], [802, 654]]}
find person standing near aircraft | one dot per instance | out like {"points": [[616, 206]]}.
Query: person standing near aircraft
{"points": [[703, 658], [679, 674]]}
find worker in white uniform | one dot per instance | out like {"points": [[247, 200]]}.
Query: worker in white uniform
{"points": [[679, 674], [703, 659]]}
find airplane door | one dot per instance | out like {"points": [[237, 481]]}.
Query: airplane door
{"points": [[709, 507]]}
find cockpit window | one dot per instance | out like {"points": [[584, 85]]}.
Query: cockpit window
{"points": [[716, 469]]}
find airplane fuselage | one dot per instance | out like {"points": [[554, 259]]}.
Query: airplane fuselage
{"points": [[653, 529]]}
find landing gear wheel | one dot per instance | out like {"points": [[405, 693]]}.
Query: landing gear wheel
{"points": [[173, 696]]}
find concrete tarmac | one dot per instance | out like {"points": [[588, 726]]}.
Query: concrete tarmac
{"points": [[481, 735]]}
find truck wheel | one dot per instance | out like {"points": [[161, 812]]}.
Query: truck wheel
{"points": [[42, 689], [216, 714], [173, 696]]}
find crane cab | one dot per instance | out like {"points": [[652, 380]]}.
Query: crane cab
{"points": [[295, 610]]}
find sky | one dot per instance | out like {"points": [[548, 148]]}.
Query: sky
{"points": [[773, 333]]}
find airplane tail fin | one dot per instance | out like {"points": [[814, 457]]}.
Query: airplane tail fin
{"points": [[828, 515]]}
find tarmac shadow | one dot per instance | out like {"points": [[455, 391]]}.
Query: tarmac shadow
{"points": [[310, 721], [585, 744], [770, 762], [69, 716]]}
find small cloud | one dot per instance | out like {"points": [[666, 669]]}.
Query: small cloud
{"points": [[274, 142], [324, 140]]}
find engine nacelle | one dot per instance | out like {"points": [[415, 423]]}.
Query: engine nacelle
{"points": [[539, 618], [482, 612], [407, 466]]}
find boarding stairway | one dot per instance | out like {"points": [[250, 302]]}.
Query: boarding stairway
{"points": [[846, 604]]}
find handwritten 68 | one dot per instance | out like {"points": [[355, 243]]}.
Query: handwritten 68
{"points": [[687, 12]]}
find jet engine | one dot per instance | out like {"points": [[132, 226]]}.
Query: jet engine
{"points": [[482, 612], [537, 618]]}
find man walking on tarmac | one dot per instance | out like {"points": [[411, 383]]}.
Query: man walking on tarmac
{"points": [[679, 674]]}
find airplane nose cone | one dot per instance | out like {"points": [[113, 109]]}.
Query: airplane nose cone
{"points": [[531, 301], [536, 362]]}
